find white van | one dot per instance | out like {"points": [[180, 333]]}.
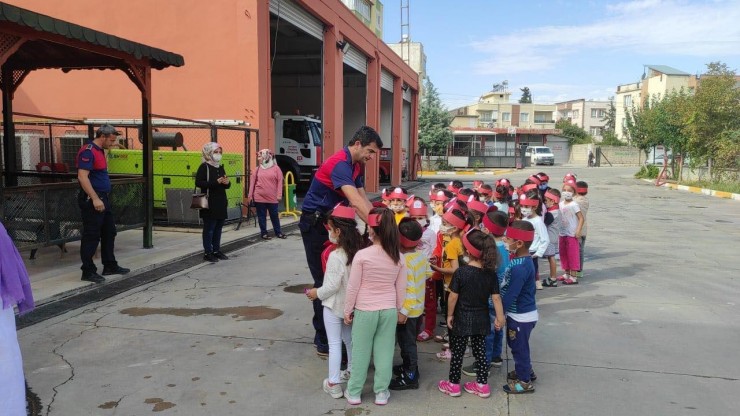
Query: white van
{"points": [[540, 155]]}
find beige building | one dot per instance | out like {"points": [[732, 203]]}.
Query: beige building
{"points": [[657, 82], [490, 131], [494, 110], [413, 54], [588, 115], [370, 12]]}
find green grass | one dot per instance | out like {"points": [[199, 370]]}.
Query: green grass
{"points": [[733, 187]]}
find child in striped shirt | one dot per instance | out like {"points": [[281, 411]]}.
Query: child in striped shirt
{"points": [[417, 266]]}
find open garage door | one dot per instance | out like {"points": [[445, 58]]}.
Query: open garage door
{"points": [[386, 81], [292, 13], [296, 88], [356, 60]]}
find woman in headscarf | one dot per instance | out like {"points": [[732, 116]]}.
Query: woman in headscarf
{"points": [[211, 178], [15, 289], [265, 188]]}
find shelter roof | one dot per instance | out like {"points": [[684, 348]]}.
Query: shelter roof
{"points": [[42, 53]]}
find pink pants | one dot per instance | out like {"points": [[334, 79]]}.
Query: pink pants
{"points": [[570, 253]]}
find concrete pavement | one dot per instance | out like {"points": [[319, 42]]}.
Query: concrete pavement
{"points": [[651, 329]]}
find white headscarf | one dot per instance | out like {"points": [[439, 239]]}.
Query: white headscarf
{"points": [[208, 150], [266, 159]]}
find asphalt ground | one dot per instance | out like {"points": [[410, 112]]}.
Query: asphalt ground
{"points": [[652, 328]]}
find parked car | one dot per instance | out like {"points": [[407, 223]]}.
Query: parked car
{"points": [[658, 159], [540, 155]]}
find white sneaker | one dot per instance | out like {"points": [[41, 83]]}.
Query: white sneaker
{"points": [[382, 397], [344, 376], [538, 284], [334, 391]]}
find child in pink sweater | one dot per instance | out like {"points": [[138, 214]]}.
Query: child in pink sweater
{"points": [[375, 292]]}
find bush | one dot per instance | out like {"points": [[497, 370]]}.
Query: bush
{"points": [[443, 165], [648, 172]]}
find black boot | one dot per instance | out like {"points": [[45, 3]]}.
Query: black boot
{"points": [[92, 277]]}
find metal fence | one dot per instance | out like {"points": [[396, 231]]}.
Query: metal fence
{"points": [[42, 209]]}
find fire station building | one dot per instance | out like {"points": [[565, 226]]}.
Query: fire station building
{"points": [[246, 60]]}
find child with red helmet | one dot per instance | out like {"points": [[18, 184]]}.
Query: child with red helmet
{"points": [[570, 233], [346, 239]]}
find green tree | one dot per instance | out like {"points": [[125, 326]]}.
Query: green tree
{"points": [[575, 134], [610, 118], [713, 123], [434, 122], [609, 138], [526, 96], [636, 127]]}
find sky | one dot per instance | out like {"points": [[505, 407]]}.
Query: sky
{"points": [[562, 50]]}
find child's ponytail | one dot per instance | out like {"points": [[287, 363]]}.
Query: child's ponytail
{"points": [[486, 245], [387, 231]]}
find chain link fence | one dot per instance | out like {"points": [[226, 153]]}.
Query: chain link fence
{"points": [[41, 208]]}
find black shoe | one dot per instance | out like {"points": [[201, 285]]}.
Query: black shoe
{"points": [[497, 362], [404, 381], [93, 277], [322, 350], [398, 370], [512, 376], [221, 256], [470, 370], [210, 257], [107, 271]]}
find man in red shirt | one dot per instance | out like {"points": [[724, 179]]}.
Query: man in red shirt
{"points": [[339, 179], [98, 224]]}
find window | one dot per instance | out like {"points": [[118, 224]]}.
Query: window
{"points": [[576, 114], [505, 116], [524, 117], [598, 113], [296, 130], [485, 116], [363, 8], [595, 131], [628, 101]]}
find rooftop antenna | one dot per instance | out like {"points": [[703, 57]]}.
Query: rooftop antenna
{"points": [[405, 32]]}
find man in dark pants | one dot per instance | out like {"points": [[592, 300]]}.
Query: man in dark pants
{"points": [[339, 179], [98, 224]]}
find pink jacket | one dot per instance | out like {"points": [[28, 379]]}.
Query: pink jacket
{"points": [[375, 283], [269, 187]]}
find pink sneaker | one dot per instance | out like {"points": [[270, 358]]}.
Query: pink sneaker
{"points": [[481, 390], [562, 277], [449, 388]]}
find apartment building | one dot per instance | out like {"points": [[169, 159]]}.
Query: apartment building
{"points": [[494, 127], [369, 12], [586, 114], [657, 82]]}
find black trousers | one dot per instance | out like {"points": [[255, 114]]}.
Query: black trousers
{"points": [[314, 235], [458, 346], [406, 337], [97, 227]]}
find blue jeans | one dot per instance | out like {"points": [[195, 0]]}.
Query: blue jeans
{"points": [[262, 208], [212, 235], [518, 341], [494, 341]]}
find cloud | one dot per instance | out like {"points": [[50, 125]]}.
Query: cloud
{"points": [[646, 27]]}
